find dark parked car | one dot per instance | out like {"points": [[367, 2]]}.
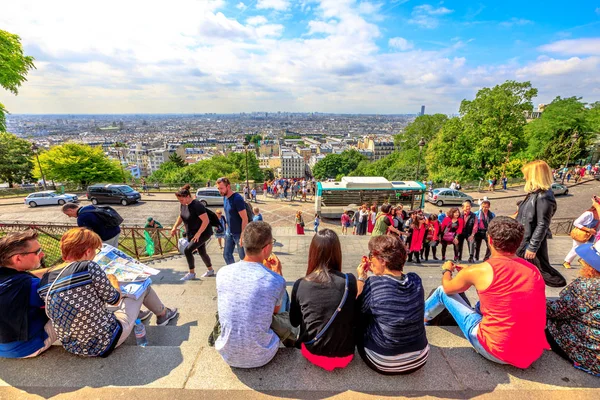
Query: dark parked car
{"points": [[121, 194]]}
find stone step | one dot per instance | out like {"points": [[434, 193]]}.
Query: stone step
{"points": [[184, 361]]}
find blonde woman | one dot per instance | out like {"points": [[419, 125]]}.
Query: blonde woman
{"points": [[535, 213], [299, 223]]}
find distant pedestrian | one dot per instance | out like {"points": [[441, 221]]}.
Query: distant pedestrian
{"points": [[144, 186], [237, 187], [208, 183], [220, 231], [299, 223], [504, 182], [372, 218], [441, 216], [317, 222], [253, 193], [345, 220], [257, 215], [453, 185]]}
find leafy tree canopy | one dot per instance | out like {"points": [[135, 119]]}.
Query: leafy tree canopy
{"points": [[176, 160], [14, 66], [400, 165], [82, 164], [15, 159], [335, 165], [424, 126]]}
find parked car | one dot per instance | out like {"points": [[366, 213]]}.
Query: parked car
{"points": [[48, 197], [444, 196], [209, 197], [119, 194], [558, 189]]}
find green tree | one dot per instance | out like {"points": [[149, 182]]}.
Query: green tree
{"points": [[336, 165], [165, 173], [470, 147], [82, 164], [400, 165], [549, 137], [269, 174], [177, 160], [15, 159], [254, 139], [14, 66], [424, 126]]}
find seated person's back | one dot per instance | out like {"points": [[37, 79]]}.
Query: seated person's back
{"points": [[248, 295]]}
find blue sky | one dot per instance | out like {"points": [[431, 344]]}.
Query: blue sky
{"points": [[308, 55]]}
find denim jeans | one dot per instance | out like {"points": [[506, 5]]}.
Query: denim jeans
{"points": [[467, 318], [231, 241]]}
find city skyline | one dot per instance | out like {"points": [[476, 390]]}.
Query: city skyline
{"points": [[330, 56]]}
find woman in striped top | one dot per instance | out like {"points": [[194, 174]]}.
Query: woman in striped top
{"points": [[391, 337]]}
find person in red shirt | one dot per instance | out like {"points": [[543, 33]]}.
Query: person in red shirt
{"points": [[507, 326]]}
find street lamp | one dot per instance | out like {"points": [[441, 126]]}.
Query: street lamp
{"points": [[121, 160], [35, 148], [421, 145], [246, 143], [508, 148], [573, 140]]}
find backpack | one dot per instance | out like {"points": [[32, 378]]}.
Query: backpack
{"points": [[249, 211], [108, 215]]}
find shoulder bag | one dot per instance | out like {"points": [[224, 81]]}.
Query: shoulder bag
{"points": [[580, 235], [335, 313]]}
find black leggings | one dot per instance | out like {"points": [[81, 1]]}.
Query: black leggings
{"points": [[200, 245], [445, 244]]}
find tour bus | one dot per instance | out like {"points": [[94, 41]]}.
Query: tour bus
{"points": [[333, 198]]}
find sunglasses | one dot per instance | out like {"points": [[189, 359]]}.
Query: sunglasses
{"points": [[36, 252]]}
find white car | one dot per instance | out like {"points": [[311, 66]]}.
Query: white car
{"points": [[557, 189], [48, 197], [209, 196], [443, 196]]}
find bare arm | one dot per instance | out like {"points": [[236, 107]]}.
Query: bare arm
{"points": [[176, 225]]}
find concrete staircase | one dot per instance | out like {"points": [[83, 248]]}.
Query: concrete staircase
{"points": [[179, 364]]}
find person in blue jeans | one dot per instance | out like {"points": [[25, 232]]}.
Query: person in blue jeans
{"points": [[237, 219]]}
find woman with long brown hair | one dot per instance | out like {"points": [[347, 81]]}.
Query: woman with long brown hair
{"points": [[452, 226], [535, 213], [323, 305]]}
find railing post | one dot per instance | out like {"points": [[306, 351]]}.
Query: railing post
{"points": [[158, 235], [137, 254]]}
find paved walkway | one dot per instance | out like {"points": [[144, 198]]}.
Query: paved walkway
{"points": [[178, 363]]}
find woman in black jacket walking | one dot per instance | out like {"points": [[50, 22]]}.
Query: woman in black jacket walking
{"points": [[535, 213]]}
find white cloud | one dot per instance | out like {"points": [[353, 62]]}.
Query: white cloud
{"points": [[278, 5], [400, 43], [257, 20], [515, 22], [196, 57], [241, 6], [585, 46], [369, 8], [427, 16]]}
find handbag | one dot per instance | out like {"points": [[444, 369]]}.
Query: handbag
{"points": [[580, 235], [448, 236], [335, 313]]}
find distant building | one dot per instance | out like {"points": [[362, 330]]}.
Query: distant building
{"points": [[292, 166], [134, 170], [315, 159], [422, 110], [377, 148]]}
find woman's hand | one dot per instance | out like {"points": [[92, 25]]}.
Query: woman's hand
{"points": [[363, 268], [529, 255], [196, 237], [173, 231]]}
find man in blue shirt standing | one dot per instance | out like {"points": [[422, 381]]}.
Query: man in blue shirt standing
{"points": [[87, 218], [25, 330], [237, 219]]}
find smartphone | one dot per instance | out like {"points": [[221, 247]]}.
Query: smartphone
{"points": [[366, 263]]}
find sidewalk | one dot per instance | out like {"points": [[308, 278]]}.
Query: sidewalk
{"points": [[178, 364]]}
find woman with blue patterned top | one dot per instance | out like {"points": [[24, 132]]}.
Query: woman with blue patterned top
{"points": [[573, 327]]}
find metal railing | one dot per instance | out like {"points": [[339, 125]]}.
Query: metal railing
{"points": [[132, 240]]}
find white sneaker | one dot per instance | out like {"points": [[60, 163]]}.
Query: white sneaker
{"points": [[189, 277], [208, 273]]}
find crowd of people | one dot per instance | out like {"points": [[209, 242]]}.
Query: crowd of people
{"points": [[290, 189], [380, 311], [576, 173]]}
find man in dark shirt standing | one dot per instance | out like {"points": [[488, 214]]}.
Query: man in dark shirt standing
{"points": [[468, 232], [237, 219], [87, 218], [25, 330]]}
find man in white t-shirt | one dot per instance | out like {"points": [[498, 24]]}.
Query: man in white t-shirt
{"points": [[252, 304]]}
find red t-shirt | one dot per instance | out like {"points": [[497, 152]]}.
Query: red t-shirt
{"points": [[514, 312]]}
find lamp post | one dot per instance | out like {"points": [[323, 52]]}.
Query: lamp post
{"points": [[421, 145], [573, 140], [121, 159], [508, 148], [246, 143], [35, 148]]}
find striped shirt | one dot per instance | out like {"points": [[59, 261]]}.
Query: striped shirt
{"points": [[406, 362], [392, 310]]}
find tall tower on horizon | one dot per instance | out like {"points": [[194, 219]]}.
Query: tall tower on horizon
{"points": [[422, 110]]}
